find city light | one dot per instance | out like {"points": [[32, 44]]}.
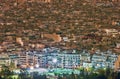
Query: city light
{"points": [[31, 67], [37, 65], [60, 39], [54, 60]]}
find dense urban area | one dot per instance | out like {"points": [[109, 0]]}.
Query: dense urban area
{"points": [[65, 24], [59, 39]]}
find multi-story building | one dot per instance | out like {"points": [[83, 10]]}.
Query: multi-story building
{"points": [[52, 59], [59, 60], [22, 59], [4, 59], [85, 57], [69, 60], [14, 58], [42, 60], [104, 59]]}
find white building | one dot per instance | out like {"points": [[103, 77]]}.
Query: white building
{"points": [[4, 59]]}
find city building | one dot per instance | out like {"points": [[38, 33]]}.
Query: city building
{"points": [[4, 59], [56, 58]]}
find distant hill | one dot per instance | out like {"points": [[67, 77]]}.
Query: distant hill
{"points": [[29, 19]]}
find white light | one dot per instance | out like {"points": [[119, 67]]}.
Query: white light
{"points": [[54, 60], [31, 67], [37, 65]]}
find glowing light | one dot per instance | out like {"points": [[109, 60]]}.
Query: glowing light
{"points": [[31, 67], [54, 60], [37, 65]]}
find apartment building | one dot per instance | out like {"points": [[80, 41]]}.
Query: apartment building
{"points": [[69, 60], [52, 57], [51, 60], [27, 59], [72, 60], [4, 59]]}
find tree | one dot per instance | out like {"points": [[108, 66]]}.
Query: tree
{"points": [[5, 72], [12, 65], [108, 72]]}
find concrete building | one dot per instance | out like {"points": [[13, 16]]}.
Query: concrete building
{"points": [[53, 57], [59, 60], [4, 59], [69, 60], [50, 59]]}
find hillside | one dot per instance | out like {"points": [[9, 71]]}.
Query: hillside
{"points": [[82, 22]]}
